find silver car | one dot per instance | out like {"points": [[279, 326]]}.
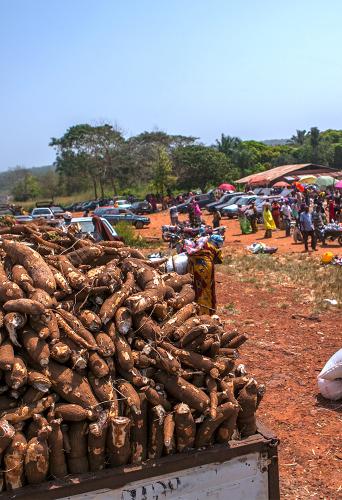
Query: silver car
{"points": [[42, 213]]}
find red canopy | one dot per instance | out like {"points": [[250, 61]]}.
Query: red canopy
{"points": [[226, 187]]}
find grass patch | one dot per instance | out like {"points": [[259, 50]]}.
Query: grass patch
{"points": [[129, 235], [230, 307], [323, 282]]}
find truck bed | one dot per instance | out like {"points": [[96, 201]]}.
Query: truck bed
{"points": [[246, 469]]}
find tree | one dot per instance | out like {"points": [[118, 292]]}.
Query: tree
{"points": [[144, 148], [314, 141], [26, 189], [228, 144], [93, 151], [337, 161], [201, 166], [298, 138], [49, 184], [162, 175]]}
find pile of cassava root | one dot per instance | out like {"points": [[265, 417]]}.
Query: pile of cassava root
{"points": [[104, 361]]}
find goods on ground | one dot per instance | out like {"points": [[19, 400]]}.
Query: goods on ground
{"points": [[105, 361]]}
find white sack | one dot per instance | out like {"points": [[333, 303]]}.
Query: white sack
{"points": [[330, 389], [333, 368]]}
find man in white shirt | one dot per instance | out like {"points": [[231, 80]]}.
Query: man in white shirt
{"points": [[286, 212]]}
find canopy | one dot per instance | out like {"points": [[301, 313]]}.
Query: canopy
{"points": [[226, 187], [325, 181], [308, 179], [338, 185], [281, 184]]}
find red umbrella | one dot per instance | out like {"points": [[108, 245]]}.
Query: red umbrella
{"points": [[299, 186], [226, 187], [281, 184]]}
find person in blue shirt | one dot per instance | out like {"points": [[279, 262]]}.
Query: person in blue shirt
{"points": [[307, 229]]}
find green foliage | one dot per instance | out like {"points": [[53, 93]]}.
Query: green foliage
{"points": [[99, 161], [26, 189], [337, 161], [129, 235], [162, 174], [299, 138], [200, 166]]}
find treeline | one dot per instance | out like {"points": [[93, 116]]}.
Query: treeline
{"points": [[101, 158]]}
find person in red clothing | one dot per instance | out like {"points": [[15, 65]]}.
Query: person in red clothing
{"points": [[276, 213], [331, 210]]}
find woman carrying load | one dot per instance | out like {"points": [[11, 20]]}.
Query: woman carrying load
{"points": [[202, 265]]}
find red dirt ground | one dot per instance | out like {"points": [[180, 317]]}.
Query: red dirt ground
{"points": [[286, 354]]}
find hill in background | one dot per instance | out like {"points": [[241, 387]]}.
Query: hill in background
{"points": [[14, 175], [276, 142]]}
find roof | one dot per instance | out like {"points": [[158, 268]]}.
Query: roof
{"points": [[276, 173]]}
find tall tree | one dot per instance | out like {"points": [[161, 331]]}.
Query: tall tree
{"points": [[201, 166], [162, 175], [95, 150], [228, 144], [314, 141], [298, 138]]}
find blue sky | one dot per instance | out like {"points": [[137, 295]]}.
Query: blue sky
{"points": [[255, 68]]}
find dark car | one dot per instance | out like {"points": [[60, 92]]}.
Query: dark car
{"points": [[202, 199], [115, 215], [231, 201], [141, 207], [224, 199]]}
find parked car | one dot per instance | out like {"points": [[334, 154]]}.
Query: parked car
{"points": [[223, 200], [231, 201], [141, 207], [22, 219], [42, 213], [202, 199], [232, 210], [57, 210], [123, 204], [115, 215], [86, 226]]}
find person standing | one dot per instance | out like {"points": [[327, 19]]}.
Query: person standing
{"points": [[317, 221], [268, 221], [331, 210], [252, 216], [174, 215], [287, 216], [197, 213], [202, 266], [307, 228], [216, 219], [276, 213]]}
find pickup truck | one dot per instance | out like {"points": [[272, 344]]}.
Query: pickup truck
{"points": [[241, 470]]}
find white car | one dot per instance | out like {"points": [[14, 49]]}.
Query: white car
{"points": [[86, 226], [123, 204], [42, 213]]}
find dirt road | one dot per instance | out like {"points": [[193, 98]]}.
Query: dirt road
{"points": [[235, 240], [286, 352]]}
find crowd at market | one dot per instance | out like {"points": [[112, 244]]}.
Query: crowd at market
{"points": [[310, 213]]}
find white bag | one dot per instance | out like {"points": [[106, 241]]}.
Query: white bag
{"points": [[333, 368], [330, 389], [177, 263]]}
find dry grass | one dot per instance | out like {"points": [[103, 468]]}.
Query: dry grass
{"points": [[321, 282]]}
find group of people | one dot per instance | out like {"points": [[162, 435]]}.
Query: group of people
{"points": [[308, 211]]}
